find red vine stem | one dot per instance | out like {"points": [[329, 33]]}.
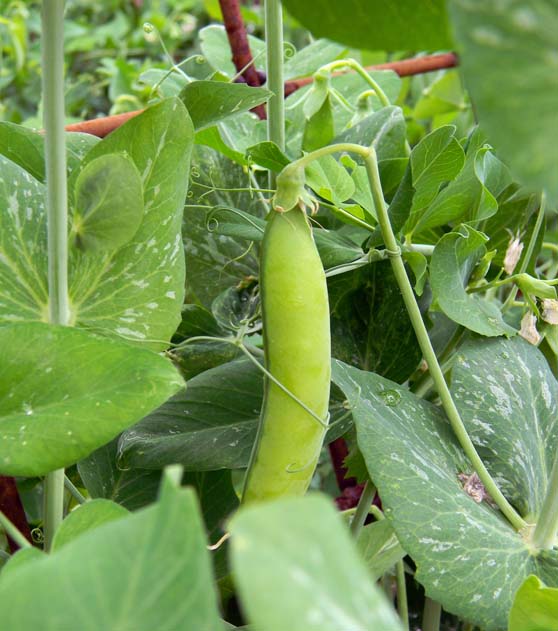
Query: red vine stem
{"points": [[11, 506], [102, 126], [240, 48]]}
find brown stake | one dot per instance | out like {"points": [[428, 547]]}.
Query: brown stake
{"points": [[240, 48], [102, 126], [11, 506]]}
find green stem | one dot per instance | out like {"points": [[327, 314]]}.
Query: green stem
{"points": [[544, 536], [431, 615], [406, 289], [13, 532], [363, 508], [57, 213], [352, 64], [425, 344], [402, 606], [79, 497], [275, 83], [529, 252]]}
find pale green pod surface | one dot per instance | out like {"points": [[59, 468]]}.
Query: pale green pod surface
{"points": [[297, 353]]}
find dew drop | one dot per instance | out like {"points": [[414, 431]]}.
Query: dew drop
{"points": [[391, 397]]}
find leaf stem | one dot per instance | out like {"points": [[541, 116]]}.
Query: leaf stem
{"points": [[546, 529], [352, 64], [69, 485], [52, 19], [13, 532], [402, 605], [363, 508], [394, 252], [431, 615], [426, 345]]}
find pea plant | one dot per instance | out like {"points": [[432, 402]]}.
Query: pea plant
{"points": [[294, 373]]}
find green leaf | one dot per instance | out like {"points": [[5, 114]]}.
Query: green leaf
{"points": [[414, 460], [207, 252], [216, 49], [437, 158], [296, 568], [454, 257], [308, 59], [330, 180], [210, 425], [268, 155], [442, 96], [143, 572], [320, 127], [86, 517], [535, 607], [209, 102], [53, 414], [376, 24], [135, 291], [25, 147], [472, 195], [508, 399], [509, 62], [369, 323], [379, 547], [131, 488], [108, 203]]}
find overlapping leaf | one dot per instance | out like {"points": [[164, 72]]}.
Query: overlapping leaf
{"points": [[65, 392], [414, 459]]}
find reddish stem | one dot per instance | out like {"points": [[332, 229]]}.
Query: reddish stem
{"points": [[240, 48], [102, 126], [11, 506], [404, 68]]}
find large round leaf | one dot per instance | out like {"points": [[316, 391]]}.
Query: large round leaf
{"points": [[65, 392]]}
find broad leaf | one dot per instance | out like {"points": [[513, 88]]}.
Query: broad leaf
{"points": [[25, 147], [209, 102], [376, 24], [454, 257], [210, 425], [369, 323], [135, 291], [143, 572], [131, 488], [414, 459], [508, 399], [205, 251], [535, 607], [89, 516], [108, 203], [65, 392], [296, 568], [509, 62]]}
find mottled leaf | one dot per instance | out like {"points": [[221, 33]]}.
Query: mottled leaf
{"points": [[414, 459]]}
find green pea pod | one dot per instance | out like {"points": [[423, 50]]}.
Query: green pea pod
{"points": [[297, 354]]}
